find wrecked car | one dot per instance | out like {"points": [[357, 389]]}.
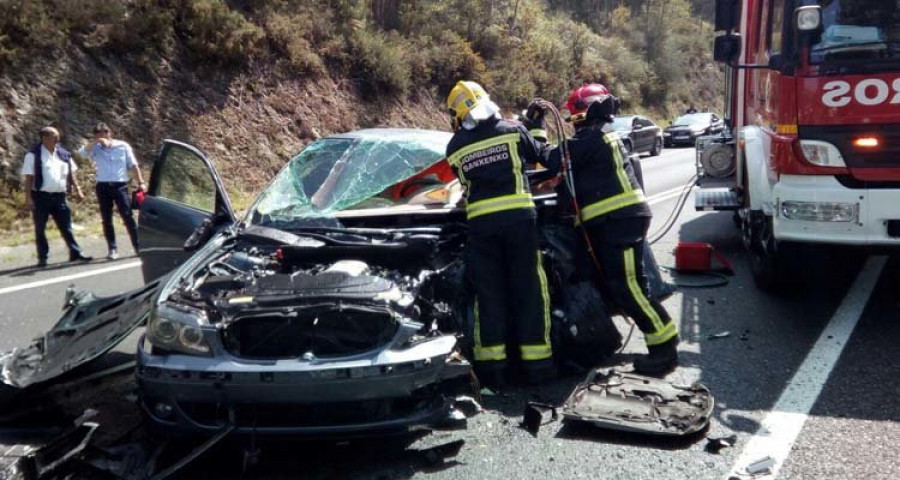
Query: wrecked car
{"points": [[325, 310], [337, 305]]}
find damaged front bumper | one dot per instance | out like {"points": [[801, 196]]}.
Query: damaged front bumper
{"points": [[385, 391]]}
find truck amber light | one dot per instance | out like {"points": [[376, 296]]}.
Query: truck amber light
{"points": [[866, 142]]}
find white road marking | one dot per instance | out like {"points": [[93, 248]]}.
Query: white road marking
{"points": [[780, 428], [66, 278]]}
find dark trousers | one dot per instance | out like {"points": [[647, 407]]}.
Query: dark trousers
{"points": [[54, 205], [109, 193], [512, 302], [619, 247]]}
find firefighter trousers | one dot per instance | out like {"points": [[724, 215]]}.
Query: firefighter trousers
{"points": [[512, 301], [619, 246]]}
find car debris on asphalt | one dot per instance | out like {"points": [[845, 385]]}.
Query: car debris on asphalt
{"points": [[716, 336], [761, 466], [628, 402], [716, 445], [536, 416]]}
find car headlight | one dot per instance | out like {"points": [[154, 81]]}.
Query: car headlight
{"points": [[178, 329], [822, 153]]}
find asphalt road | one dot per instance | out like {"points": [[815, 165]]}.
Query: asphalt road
{"points": [[807, 377]]}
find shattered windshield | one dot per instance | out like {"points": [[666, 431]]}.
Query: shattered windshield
{"points": [[345, 173], [851, 27]]}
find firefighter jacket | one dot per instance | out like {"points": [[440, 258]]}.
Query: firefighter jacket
{"points": [[490, 162], [605, 182]]}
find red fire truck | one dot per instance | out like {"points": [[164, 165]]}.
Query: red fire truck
{"points": [[813, 99]]}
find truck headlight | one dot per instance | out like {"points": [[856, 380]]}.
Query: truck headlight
{"points": [[178, 329], [821, 153], [820, 211]]}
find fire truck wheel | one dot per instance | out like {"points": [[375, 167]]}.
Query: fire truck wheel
{"points": [[773, 264]]}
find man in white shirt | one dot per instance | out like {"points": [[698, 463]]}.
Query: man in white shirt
{"points": [[49, 173], [113, 159]]}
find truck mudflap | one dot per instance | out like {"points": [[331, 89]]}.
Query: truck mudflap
{"points": [[632, 403], [89, 327]]}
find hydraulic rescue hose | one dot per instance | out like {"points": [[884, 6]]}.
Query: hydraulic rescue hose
{"points": [[569, 180], [676, 212], [718, 279], [568, 177]]}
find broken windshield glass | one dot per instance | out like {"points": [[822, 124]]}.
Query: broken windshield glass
{"points": [[344, 173]]}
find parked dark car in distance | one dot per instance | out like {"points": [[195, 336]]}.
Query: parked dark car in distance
{"points": [[687, 128], [639, 134]]}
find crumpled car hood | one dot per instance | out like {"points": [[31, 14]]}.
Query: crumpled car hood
{"points": [[90, 327]]}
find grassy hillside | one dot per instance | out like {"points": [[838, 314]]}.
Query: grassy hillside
{"points": [[251, 81]]}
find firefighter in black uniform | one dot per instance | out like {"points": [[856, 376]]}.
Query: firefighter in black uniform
{"points": [[616, 217], [503, 263]]}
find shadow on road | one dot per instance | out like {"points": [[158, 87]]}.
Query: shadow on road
{"points": [[584, 432], [31, 270], [763, 337]]}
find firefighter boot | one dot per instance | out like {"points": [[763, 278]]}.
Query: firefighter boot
{"points": [[491, 374], [538, 372], [663, 358]]}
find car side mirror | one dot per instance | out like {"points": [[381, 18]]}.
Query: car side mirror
{"points": [[727, 48]]}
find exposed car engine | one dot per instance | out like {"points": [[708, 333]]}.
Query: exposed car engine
{"points": [[318, 301]]}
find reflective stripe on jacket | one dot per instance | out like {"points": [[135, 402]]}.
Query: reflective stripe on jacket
{"points": [[490, 162], [605, 184]]}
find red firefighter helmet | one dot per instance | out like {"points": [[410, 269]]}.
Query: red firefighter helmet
{"points": [[582, 97]]}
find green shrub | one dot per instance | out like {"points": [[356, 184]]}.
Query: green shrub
{"points": [[451, 58], [28, 28], [79, 16], [290, 36], [146, 27], [379, 61], [219, 34]]}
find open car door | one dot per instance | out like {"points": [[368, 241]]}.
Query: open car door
{"points": [[185, 191]]}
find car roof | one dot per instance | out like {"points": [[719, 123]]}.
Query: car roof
{"points": [[396, 134]]}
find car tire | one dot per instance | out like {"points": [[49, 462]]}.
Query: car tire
{"points": [[657, 148]]}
